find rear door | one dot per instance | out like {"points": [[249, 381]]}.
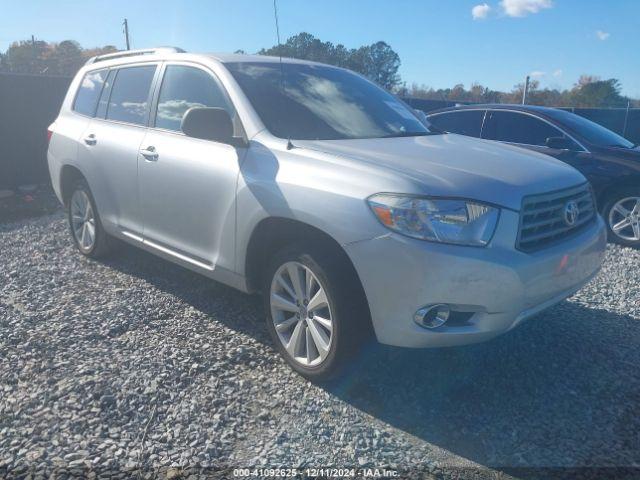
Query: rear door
{"points": [[462, 122], [187, 185], [110, 144]]}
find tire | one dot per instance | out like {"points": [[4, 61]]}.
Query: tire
{"points": [[623, 208], [96, 242], [346, 310]]}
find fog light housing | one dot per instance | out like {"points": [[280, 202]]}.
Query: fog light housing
{"points": [[432, 316]]}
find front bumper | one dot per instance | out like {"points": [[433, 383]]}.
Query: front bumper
{"points": [[498, 286]]}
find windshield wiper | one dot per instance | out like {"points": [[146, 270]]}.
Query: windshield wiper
{"points": [[622, 146]]}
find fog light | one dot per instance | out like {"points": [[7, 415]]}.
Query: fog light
{"points": [[432, 316]]}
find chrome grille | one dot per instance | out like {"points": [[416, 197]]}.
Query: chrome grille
{"points": [[542, 218]]}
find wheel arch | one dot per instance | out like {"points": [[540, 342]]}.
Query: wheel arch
{"points": [[627, 182], [69, 175], [274, 233]]}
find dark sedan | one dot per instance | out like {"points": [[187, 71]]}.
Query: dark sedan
{"points": [[610, 162]]}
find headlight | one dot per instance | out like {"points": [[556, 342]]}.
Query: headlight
{"points": [[462, 222]]}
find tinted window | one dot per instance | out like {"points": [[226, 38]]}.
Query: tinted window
{"points": [[310, 102], [183, 88], [518, 128], [591, 131], [89, 92], [130, 95], [104, 98], [467, 122]]}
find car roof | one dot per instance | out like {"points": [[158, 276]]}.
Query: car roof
{"points": [[174, 53], [245, 58], [496, 106]]}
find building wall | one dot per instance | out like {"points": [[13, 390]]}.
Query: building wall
{"points": [[28, 105]]}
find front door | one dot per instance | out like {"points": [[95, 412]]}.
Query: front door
{"points": [[187, 185]]}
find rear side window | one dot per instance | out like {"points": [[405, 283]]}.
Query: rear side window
{"points": [[467, 122], [518, 128], [89, 92], [184, 88], [129, 99]]}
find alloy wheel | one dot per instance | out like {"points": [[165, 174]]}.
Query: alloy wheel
{"points": [[83, 222], [301, 314], [624, 219]]}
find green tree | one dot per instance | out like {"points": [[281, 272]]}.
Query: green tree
{"points": [[378, 61], [64, 58], [593, 92], [40, 57], [27, 56]]}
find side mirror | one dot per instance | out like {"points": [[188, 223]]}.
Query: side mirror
{"points": [[208, 124], [559, 143]]}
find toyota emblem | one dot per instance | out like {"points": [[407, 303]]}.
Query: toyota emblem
{"points": [[571, 212]]}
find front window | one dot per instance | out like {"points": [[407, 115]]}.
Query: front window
{"points": [[520, 128], [590, 131], [317, 102], [183, 88]]}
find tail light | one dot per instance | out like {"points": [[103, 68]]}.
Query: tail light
{"points": [[49, 133]]}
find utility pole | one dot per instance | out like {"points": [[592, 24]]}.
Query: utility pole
{"points": [[126, 33], [524, 92], [33, 53]]}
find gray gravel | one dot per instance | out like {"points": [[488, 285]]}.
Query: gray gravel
{"points": [[134, 363]]}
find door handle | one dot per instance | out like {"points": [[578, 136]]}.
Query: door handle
{"points": [[90, 139], [149, 153]]}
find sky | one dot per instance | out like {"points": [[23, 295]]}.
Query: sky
{"points": [[440, 42]]}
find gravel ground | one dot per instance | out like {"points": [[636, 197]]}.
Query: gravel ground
{"points": [[134, 363]]}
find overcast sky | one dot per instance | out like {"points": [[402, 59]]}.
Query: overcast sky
{"points": [[440, 42]]}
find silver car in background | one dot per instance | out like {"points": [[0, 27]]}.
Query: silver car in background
{"points": [[312, 185]]}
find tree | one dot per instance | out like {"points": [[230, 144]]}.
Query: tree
{"points": [[63, 58], [378, 61], [40, 57], [593, 92]]}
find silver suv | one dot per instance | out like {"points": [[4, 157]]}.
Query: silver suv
{"points": [[310, 184]]}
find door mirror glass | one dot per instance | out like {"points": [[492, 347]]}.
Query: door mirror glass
{"points": [[559, 143], [208, 123]]}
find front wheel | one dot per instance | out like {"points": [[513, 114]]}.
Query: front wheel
{"points": [[314, 310], [622, 214]]}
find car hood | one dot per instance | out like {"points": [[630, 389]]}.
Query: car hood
{"points": [[632, 154], [458, 166]]}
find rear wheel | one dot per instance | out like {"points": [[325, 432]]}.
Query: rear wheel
{"points": [[84, 222], [622, 214], [314, 310]]}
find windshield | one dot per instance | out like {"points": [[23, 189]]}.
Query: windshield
{"points": [[590, 131], [317, 102]]}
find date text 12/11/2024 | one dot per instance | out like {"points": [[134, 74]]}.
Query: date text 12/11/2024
{"points": [[309, 472]]}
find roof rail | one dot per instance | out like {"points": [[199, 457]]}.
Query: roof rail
{"points": [[133, 53]]}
